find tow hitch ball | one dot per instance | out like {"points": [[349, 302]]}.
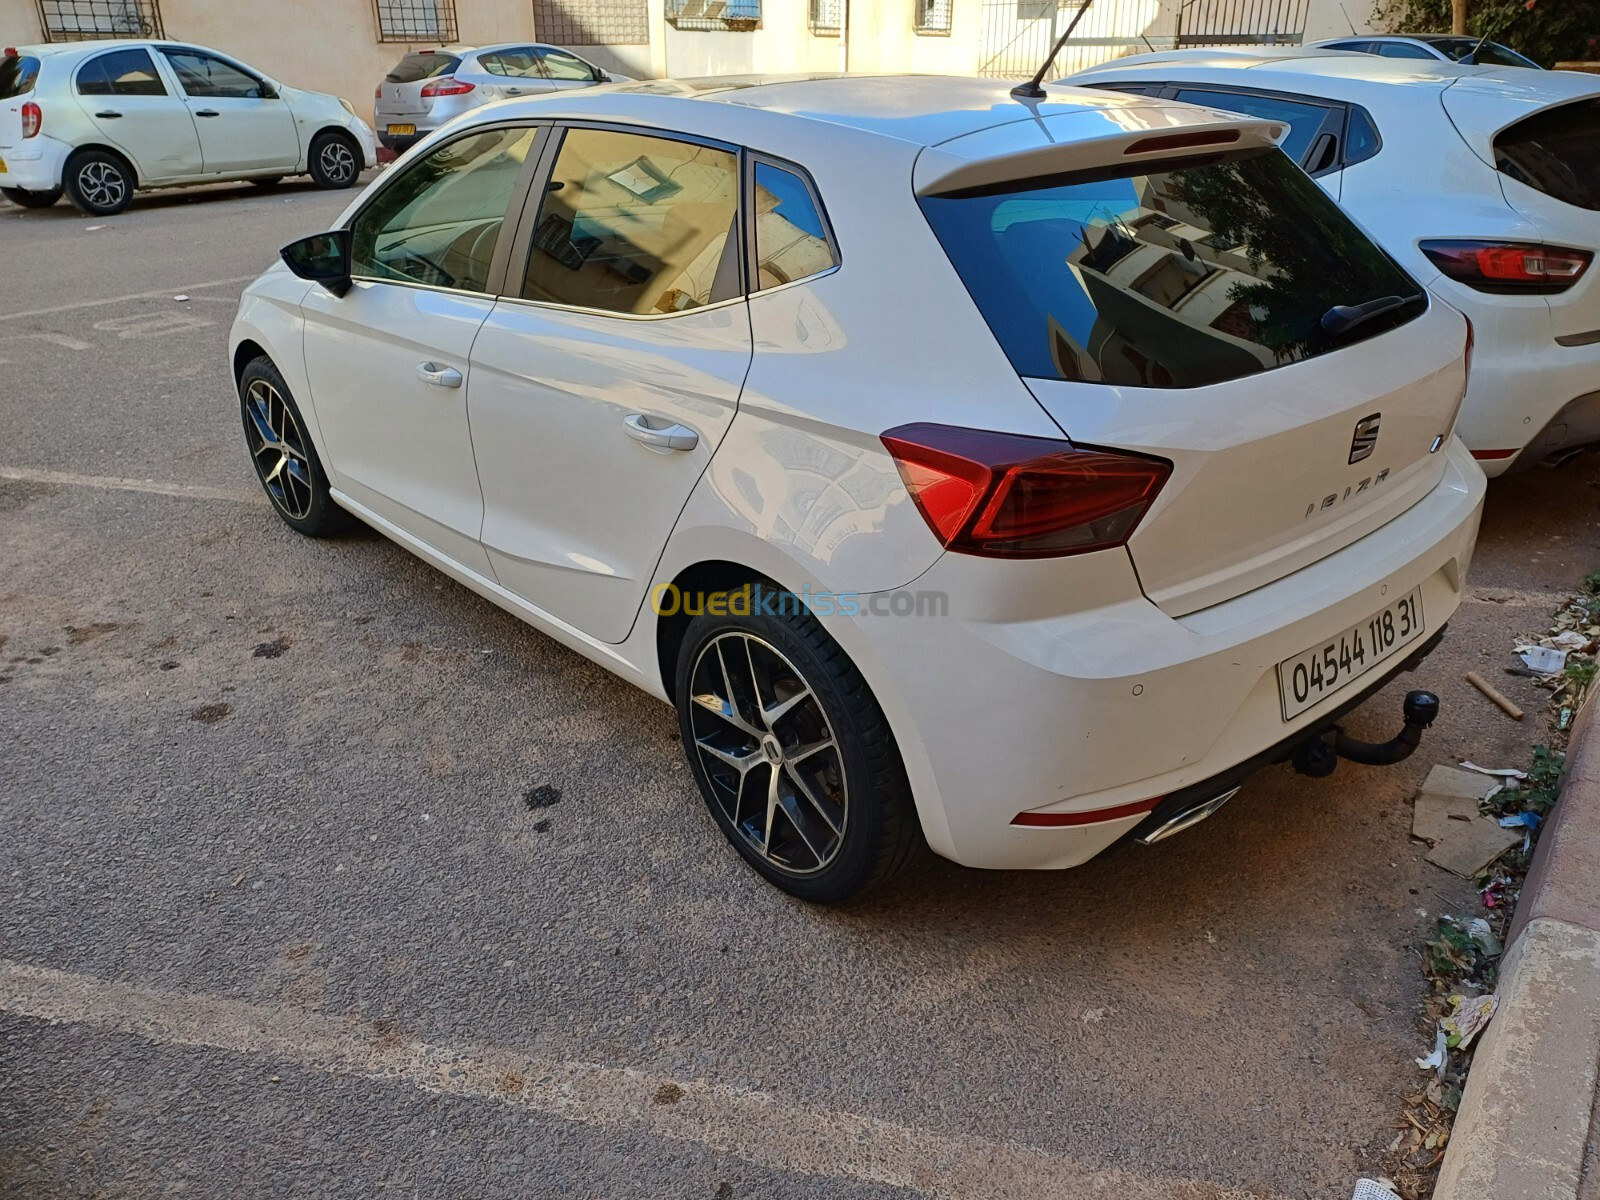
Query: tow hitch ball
{"points": [[1318, 756]]}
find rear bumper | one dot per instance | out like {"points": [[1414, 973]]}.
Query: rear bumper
{"points": [[34, 165], [1007, 707]]}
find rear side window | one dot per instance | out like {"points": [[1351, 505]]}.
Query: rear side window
{"points": [[414, 68], [17, 75], [1404, 50], [791, 239], [1207, 271], [567, 67], [520, 63], [1556, 151], [120, 73]]}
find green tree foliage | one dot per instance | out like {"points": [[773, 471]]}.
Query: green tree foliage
{"points": [[1553, 31]]}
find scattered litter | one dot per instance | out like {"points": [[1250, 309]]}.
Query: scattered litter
{"points": [[1564, 722], [1373, 1189], [1441, 1053], [1434, 816], [1567, 639], [1501, 772], [1448, 781], [1471, 846], [1526, 820], [181, 299], [1478, 930], [1505, 705], [92, 228], [1495, 892], [1093, 1016], [1466, 1019], [1544, 659]]}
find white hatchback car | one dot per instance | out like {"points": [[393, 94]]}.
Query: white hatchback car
{"points": [[1022, 474], [101, 120], [1484, 182]]}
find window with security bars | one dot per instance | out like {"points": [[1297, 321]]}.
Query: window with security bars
{"points": [[933, 16], [592, 22], [826, 16], [416, 20], [79, 20], [732, 16]]}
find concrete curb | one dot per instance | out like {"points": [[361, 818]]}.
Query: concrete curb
{"points": [[1524, 1124]]}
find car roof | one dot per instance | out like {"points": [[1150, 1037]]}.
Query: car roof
{"points": [[923, 109], [1294, 69]]}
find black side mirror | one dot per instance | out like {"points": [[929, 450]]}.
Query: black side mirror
{"points": [[600, 76], [322, 258], [266, 90]]}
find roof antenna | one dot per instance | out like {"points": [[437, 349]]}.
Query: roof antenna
{"points": [[1031, 90], [1470, 58], [1347, 20]]}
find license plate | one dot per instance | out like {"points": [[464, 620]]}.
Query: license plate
{"points": [[1310, 677], [402, 130]]}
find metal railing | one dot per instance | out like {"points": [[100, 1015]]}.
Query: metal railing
{"points": [[416, 20], [92, 20]]}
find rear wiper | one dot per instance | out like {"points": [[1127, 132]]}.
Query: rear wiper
{"points": [[1342, 318]]}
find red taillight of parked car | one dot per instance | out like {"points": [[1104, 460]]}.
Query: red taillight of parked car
{"points": [[377, 92], [1005, 496], [445, 85], [1508, 266], [32, 120]]}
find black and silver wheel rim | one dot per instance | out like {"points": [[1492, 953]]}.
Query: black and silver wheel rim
{"points": [[102, 185], [768, 753], [338, 164], [278, 447]]}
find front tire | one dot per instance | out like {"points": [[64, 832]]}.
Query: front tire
{"points": [[285, 459], [793, 756], [98, 183], [26, 199], [335, 160]]}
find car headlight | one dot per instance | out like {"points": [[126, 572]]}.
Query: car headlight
{"points": [[348, 107]]}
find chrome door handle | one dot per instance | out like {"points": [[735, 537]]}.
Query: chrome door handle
{"points": [[665, 437], [444, 377]]}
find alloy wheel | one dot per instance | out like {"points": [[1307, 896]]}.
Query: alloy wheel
{"points": [[769, 752], [338, 164], [278, 447], [102, 185]]}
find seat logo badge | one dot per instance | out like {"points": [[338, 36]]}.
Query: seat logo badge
{"points": [[1366, 438]]}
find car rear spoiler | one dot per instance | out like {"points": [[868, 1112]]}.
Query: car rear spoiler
{"points": [[1087, 139]]}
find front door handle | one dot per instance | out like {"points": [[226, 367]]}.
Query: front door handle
{"points": [[108, 116], [207, 112], [439, 376], [662, 437]]}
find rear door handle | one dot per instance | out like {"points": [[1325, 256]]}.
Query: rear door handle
{"points": [[108, 116], [439, 376], [207, 112], [663, 437]]}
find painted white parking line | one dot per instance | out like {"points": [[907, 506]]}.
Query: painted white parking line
{"points": [[186, 491], [755, 1126], [168, 293]]}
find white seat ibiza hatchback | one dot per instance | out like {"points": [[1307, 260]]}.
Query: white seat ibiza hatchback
{"points": [[1015, 475]]}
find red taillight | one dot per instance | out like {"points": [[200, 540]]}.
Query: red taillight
{"points": [[32, 120], [445, 85], [1006, 496], [1508, 266], [1183, 141], [377, 92]]}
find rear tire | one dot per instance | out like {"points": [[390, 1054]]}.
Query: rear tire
{"points": [[26, 199], [99, 183], [794, 758], [285, 459], [335, 160]]}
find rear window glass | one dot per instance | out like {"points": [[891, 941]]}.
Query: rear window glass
{"points": [[1210, 270], [17, 76], [414, 68], [1556, 151]]}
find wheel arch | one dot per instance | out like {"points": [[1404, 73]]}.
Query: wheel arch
{"points": [[104, 148], [244, 354], [712, 575]]}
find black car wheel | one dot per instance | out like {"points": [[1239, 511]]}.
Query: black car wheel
{"points": [[99, 183], [285, 459], [335, 160], [27, 199]]}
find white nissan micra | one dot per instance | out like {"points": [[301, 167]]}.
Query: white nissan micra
{"points": [[1015, 474]]}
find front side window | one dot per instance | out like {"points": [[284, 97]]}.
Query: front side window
{"points": [[120, 73], [202, 76], [791, 240], [636, 224], [559, 65], [1208, 271], [439, 223], [520, 63], [1305, 121]]}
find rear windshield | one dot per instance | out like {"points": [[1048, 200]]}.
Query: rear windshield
{"points": [[416, 67], [1556, 151], [17, 76], [1207, 271]]}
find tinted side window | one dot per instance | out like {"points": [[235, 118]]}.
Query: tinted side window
{"points": [[120, 73], [558, 65], [1361, 140], [1556, 151], [17, 75], [1305, 121], [791, 239], [1404, 50], [200, 75], [439, 222], [636, 224], [520, 63]]}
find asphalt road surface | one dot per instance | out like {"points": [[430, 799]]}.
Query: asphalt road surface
{"points": [[278, 917]]}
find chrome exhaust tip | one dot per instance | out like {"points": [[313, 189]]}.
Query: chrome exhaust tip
{"points": [[1188, 819]]}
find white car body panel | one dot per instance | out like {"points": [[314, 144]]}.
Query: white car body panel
{"points": [[1435, 178], [1055, 685]]}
